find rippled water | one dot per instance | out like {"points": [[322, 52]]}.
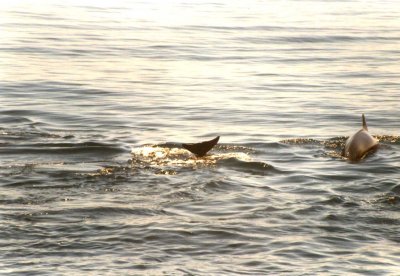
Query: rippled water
{"points": [[96, 99]]}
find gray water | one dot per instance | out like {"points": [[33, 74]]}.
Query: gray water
{"points": [[97, 97]]}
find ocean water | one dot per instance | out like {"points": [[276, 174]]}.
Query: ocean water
{"points": [[96, 98]]}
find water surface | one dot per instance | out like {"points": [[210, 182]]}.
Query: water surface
{"points": [[96, 99]]}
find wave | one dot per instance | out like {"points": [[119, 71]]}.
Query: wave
{"points": [[251, 167], [338, 140], [225, 156], [63, 148], [333, 146]]}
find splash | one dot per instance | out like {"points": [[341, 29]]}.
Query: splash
{"points": [[169, 159], [300, 141], [390, 139]]}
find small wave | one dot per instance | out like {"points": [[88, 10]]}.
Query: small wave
{"points": [[315, 39], [335, 143], [248, 166], [63, 148], [25, 134], [333, 147], [109, 211], [168, 156], [392, 200], [235, 148], [77, 214], [48, 175], [181, 196], [389, 139], [163, 155], [340, 141], [301, 141]]}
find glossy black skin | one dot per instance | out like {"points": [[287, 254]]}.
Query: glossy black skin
{"points": [[201, 149]]}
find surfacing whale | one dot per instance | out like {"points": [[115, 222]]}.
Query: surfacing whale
{"points": [[360, 143], [200, 149]]}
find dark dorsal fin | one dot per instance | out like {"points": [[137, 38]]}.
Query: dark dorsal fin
{"points": [[364, 123], [200, 149]]}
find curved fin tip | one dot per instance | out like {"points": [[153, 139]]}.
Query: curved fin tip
{"points": [[200, 149]]}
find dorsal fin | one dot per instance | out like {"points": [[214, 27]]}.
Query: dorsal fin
{"points": [[200, 149], [364, 123]]}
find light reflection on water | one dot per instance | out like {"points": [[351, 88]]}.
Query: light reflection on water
{"points": [[97, 97]]}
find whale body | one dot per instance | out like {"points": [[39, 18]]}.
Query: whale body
{"points": [[360, 143], [200, 149]]}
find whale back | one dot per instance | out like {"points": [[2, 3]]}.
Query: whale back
{"points": [[200, 149], [360, 143]]}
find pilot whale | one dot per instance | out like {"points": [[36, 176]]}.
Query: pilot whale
{"points": [[360, 143], [200, 149]]}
